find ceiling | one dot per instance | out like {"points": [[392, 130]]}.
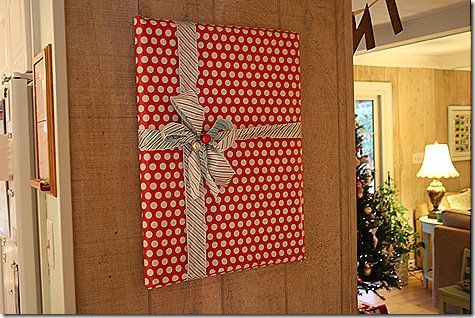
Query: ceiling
{"points": [[449, 52], [408, 9]]}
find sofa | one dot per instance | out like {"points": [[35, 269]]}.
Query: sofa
{"points": [[449, 239], [460, 202]]}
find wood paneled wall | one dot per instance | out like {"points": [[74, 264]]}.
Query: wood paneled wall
{"points": [[105, 174], [420, 100]]}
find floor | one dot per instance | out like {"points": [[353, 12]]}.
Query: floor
{"points": [[411, 299]]}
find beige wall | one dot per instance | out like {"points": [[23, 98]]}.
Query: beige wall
{"points": [[104, 162], [420, 100]]}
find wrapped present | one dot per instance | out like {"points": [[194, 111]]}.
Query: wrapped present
{"points": [[367, 309], [219, 115]]}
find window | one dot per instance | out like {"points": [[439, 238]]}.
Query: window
{"points": [[365, 116], [373, 107]]}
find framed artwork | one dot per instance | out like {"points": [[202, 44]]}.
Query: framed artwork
{"points": [[459, 132], [43, 120]]}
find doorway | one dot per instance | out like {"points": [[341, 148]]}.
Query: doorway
{"points": [[427, 81]]}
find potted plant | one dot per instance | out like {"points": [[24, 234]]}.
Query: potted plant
{"points": [[399, 233]]}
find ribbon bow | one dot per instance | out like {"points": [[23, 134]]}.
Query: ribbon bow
{"points": [[207, 159]]}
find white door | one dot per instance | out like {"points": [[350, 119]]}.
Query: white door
{"points": [[373, 109], [9, 249], [20, 264]]}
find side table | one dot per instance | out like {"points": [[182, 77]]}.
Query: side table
{"points": [[428, 226]]}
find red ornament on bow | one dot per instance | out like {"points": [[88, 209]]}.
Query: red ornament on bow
{"points": [[205, 138]]}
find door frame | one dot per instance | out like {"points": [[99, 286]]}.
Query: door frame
{"points": [[383, 92]]}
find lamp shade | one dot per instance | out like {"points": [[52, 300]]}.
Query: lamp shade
{"points": [[437, 163]]}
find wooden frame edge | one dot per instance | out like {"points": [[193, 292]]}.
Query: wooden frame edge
{"points": [[347, 161], [48, 53], [51, 186]]}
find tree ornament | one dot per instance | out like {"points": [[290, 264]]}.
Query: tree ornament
{"points": [[359, 188], [364, 159], [368, 210], [375, 238], [367, 270], [391, 250]]}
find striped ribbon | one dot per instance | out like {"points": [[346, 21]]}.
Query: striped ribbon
{"points": [[203, 160]]}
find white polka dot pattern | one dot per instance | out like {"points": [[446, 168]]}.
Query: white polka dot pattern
{"points": [[252, 77]]}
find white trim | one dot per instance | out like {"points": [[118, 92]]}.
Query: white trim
{"points": [[419, 28], [64, 263], [457, 61], [388, 58], [43, 256], [382, 91]]}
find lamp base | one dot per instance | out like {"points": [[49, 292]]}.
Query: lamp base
{"points": [[435, 215], [436, 192], [432, 215]]}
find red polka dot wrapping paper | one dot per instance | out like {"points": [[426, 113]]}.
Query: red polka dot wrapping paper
{"points": [[250, 76]]}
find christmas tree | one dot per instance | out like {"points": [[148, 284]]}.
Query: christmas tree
{"points": [[377, 259]]}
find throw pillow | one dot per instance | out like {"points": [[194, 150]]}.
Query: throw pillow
{"points": [[461, 201]]}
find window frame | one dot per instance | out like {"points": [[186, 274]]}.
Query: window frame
{"points": [[381, 94]]}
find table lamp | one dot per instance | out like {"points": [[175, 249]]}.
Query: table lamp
{"points": [[436, 165]]}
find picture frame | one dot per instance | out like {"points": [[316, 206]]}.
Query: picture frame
{"points": [[43, 121], [459, 132]]}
